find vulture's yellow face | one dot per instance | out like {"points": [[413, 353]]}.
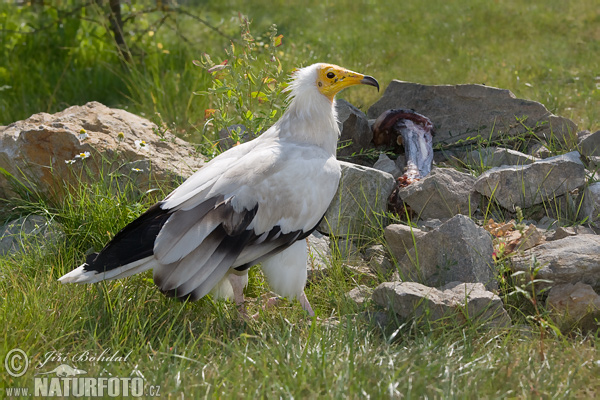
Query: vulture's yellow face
{"points": [[331, 79]]}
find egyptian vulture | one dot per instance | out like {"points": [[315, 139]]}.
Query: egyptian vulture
{"points": [[254, 203]]}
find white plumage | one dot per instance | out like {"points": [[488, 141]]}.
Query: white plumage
{"points": [[253, 203]]}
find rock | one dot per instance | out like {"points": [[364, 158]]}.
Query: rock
{"points": [[360, 202], [40, 146], [575, 305], [360, 294], [319, 255], [540, 151], [384, 164], [497, 156], [479, 304], [401, 239], [458, 250], [590, 208], [431, 224], [560, 233], [462, 112], [356, 134], [463, 301], [443, 193], [547, 223], [527, 185], [35, 230], [378, 260], [568, 260], [589, 144]]}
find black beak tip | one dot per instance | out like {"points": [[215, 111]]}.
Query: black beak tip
{"points": [[369, 80]]}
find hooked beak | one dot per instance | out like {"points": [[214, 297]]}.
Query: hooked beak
{"points": [[369, 80]]}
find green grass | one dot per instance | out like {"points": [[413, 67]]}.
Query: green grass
{"points": [[545, 51]]}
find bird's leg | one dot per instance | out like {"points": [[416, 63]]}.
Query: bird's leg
{"points": [[305, 304], [237, 284]]}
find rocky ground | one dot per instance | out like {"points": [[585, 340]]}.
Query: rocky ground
{"points": [[485, 211]]}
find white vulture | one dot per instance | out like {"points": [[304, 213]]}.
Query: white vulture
{"points": [[254, 203]]}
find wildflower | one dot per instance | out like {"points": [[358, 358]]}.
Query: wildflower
{"points": [[82, 136], [137, 170], [69, 162], [140, 144], [83, 155], [82, 131], [120, 136]]}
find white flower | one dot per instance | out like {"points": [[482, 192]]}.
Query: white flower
{"points": [[69, 161], [137, 170], [83, 155], [82, 136], [140, 144]]}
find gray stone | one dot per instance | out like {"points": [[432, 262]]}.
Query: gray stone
{"points": [[497, 156], [590, 208], [539, 150], [360, 294], [589, 144], [355, 133], [319, 255], [527, 185], [568, 260], [560, 233], [547, 223], [575, 305], [378, 260], [35, 230], [36, 150], [443, 193], [385, 164], [401, 239], [462, 301], [462, 112], [479, 304], [360, 201], [459, 250]]}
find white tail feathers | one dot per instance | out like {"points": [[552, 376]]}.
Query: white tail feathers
{"points": [[81, 275]]}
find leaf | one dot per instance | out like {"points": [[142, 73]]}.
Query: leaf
{"points": [[209, 112], [260, 96], [278, 40]]}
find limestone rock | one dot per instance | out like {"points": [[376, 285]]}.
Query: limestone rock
{"points": [[589, 144], [462, 112], [591, 204], [385, 164], [527, 185], [360, 294], [456, 300], [574, 305], [355, 133], [35, 230], [443, 193], [360, 201], [458, 250], [378, 260], [41, 146], [319, 255], [497, 156], [568, 260], [401, 238]]}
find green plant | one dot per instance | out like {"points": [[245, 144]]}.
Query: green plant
{"points": [[247, 87]]}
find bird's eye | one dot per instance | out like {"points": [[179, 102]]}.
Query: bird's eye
{"points": [[330, 75]]}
